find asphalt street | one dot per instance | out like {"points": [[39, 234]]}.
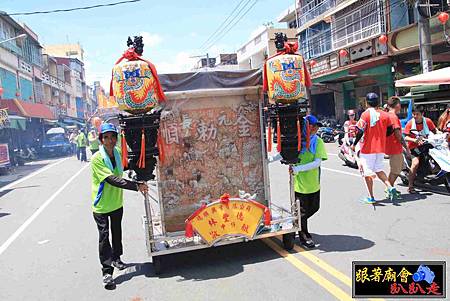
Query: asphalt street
{"points": [[48, 242]]}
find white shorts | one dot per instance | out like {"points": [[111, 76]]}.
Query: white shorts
{"points": [[370, 164]]}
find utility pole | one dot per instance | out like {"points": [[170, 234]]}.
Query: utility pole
{"points": [[426, 55]]}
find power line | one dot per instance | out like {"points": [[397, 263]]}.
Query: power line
{"points": [[233, 25], [68, 9], [220, 26], [224, 28]]}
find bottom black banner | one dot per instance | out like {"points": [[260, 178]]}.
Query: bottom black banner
{"points": [[399, 279]]}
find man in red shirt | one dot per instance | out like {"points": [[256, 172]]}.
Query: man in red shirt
{"points": [[395, 143], [373, 126], [423, 126]]}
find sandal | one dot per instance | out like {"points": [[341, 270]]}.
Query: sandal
{"points": [[411, 190]]}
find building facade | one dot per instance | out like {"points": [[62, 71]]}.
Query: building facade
{"points": [[253, 54], [66, 50], [356, 46]]}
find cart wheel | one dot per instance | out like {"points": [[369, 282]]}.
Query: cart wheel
{"points": [[288, 241], [157, 264]]}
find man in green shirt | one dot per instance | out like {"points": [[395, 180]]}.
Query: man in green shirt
{"points": [[81, 144], [307, 179], [107, 200], [94, 144]]}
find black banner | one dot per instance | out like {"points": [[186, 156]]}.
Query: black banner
{"points": [[399, 279]]}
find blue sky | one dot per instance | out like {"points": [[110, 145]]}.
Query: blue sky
{"points": [[172, 30]]}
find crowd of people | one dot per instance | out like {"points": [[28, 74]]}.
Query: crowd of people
{"points": [[80, 142], [379, 133]]}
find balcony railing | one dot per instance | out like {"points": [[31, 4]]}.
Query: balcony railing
{"points": [[362, 23], [315, 44], [310, 11]]}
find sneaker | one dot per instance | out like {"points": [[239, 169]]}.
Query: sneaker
{"points": [[118, 264], [306, 240], [108, 281], [393, 194], [369, 200]]}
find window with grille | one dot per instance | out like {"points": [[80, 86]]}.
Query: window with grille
{"points": [[362, 21]]}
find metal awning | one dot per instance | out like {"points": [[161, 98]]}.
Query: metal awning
{"points": [[17, 122], [438, 77]]}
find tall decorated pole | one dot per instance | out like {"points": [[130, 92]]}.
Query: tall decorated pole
{"points": [[286, 81], [136, 88]]}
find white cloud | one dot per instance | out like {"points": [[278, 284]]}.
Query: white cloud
{"points": [[151, 39], [182, 62]]}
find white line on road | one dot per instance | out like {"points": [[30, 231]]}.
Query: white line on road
{"points": [[39, 171], [341, 172], [16, 234]]}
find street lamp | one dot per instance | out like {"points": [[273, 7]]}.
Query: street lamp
{"points": [[22, 36]]}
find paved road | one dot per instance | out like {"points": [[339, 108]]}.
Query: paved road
{"points": [[48, 243]]}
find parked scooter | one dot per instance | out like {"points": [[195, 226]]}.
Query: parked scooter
{"points": [[434, 168], [23, 155], [326, 133]]}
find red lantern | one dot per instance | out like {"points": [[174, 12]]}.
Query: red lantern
{"points": [[1, 91], [312, 63], [443, 17], [383, 39], [343, 53]]}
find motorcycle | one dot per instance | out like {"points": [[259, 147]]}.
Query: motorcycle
{"points": [[328, 134], [434, 167], [23, 155], [346, 153]]}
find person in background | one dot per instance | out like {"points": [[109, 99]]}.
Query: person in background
{"points": [[416, 129], [82, 144], [395, 143], [107, 201], [373, 126], [350, 129], [94, 144], [444, 123], [73, 142], [444, 120]]}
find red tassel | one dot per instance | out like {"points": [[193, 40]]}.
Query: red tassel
{"points": [[267, 216], [141, 162], [124, 151], [160, 148], [278, 135], [299, 135], [269, 137], [308, 135], [189, 230]]}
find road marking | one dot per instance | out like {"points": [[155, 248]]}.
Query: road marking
{"points": [[322, 281], [16, 234], [326, 267], [342, 172], [39, 171]]}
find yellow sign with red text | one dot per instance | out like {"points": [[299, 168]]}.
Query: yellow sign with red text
{"points": [[227, 217]]}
